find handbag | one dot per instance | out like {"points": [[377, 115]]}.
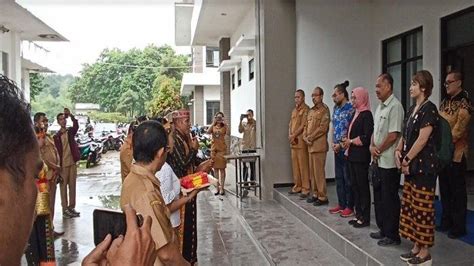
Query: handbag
{"points": [[374, 175]]}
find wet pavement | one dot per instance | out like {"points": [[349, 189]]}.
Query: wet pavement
{"points": [[230, 231]]}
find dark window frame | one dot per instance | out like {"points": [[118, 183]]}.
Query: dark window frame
{"points": [[403, 62], [239, 77], [210, 118], [210, 51], [232, 80], [251, 72]]}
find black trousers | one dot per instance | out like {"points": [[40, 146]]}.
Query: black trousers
{"points": [[452, 186], [387, 202], [360, 188]]}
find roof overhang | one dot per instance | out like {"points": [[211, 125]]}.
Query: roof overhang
{"points": [[210, 20], [34, 67], [16, 18], [190, 80], [245, 46], [228, 65]]}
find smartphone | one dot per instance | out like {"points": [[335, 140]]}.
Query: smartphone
{"points": [[111, 222]]}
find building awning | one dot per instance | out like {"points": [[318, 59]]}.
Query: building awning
{"points": [[245, 46], [34, 67], [228, 65], [190, 80], [16, 18]]}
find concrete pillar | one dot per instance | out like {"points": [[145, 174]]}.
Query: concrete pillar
{"points": [[198, 59], [224, 47], [199, 105], [276, 81]]}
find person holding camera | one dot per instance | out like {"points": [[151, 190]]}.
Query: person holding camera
{"points": [[219, 130], [69, 155], [249, 143]]}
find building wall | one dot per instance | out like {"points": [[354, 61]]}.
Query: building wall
{"points": [[243, 97], [339, 41], [10, 43]]}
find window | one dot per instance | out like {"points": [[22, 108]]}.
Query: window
{"points": [[212, 107], [233, 80], [402, 57], [5, 64], [212, 57], [251, 69], [239, 77]]}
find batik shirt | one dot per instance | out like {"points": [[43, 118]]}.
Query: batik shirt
{"points": [[341, 118]]}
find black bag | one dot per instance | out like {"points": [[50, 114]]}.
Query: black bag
{"points": [[374, 175]]}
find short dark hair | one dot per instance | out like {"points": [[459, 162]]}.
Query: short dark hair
{"points": [[457, 74], [148, 139], [38, 116], [425, 80], [17, 137], [58, 115], [300, 91], [132, 127], [320, 90], [387, 77], [219, 113], [250, 110], [342, 88]]}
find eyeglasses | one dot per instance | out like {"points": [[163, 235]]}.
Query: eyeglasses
{"points": [[448, 82]]}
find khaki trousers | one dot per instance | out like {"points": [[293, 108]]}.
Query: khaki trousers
{"points": [[317, 163], [52, 196], [300, 165], [69, 175]]}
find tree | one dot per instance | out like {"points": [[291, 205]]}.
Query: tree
{"points": [[166, 96], [37, 84], [117, 72], [51, 101]]}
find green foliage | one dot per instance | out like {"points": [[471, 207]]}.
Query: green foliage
{"points": [[53, 98], [122, 81], [108, 117], [37, 84], [166, 96]]}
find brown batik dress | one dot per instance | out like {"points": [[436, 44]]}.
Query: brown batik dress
{"points": [[417, 214]]}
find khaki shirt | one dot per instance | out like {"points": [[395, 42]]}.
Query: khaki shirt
{"points": [[249, 141], [298, 118], [49, 154], [126, 157], [67, 155], [141, 189], [388, 118], [317, 127]]}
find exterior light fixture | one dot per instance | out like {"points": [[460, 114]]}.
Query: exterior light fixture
{"points": [[4, 29], [48, 36]]}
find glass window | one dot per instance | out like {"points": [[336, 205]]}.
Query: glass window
{"points": [[239, 77], [212, 107], [5, 64], [457, 31], [212, 57], [251, 69], [402, 57], [233, 80]]}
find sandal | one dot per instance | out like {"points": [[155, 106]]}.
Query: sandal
{"points": [[420, 261], [408, 256]]}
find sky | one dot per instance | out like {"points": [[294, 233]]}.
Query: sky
{"points": [[90, 28]]}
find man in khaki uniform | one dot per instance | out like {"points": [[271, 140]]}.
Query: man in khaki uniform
{"points": [[249, 143], [68, 156], [141, 190], [50, 156], [315, 136], [299, 153]]}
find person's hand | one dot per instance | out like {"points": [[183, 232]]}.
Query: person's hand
{"points": [[67, 112], [346, 142], [290, 137], [98, 255], [137, 247], [194, 143], [374, 151], [405, 169], [398, 158], [336, 147], [205, 166]]}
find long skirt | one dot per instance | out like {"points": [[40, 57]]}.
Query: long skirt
{"points": [[40, 248], [187, 232], [417, 213]]}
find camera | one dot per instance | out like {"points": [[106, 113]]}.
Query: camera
{"points": [[242, 116]]}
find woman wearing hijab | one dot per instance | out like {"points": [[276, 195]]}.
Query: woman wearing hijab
{"points": [[357, 150]]}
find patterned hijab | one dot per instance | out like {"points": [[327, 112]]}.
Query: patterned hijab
{"points": [[362, 103]]}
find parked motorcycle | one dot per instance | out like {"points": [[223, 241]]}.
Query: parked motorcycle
{"points": [[90, 150]]}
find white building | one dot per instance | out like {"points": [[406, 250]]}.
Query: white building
{"points": [[308, 43], [19, 56]]}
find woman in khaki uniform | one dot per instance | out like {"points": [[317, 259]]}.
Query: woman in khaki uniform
{"points": [[219, 130]]}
